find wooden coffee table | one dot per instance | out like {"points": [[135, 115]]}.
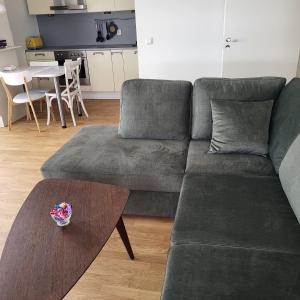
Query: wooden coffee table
{"points": [[42, 261]]}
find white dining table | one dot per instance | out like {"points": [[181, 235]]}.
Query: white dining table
{"points": [[55, 73]]}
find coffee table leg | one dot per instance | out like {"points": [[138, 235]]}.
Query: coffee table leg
{"points": [[123, 233]]}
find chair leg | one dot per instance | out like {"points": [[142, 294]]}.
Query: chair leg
{"points": [[9, 116], [48, 103], [72, 111], [53, 115], [28, 112], [41, 105], [66, 107], [35, 118], [79, 97]]}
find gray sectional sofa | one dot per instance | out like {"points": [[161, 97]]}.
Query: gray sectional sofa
{"points": [[235, 235]]}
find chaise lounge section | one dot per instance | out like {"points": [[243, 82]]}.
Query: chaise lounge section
{"points": [[235, 234]]}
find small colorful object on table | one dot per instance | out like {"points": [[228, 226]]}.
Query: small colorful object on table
{"points": [[61, 214]]}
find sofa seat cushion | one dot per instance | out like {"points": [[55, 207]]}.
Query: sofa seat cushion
{"points": [[201, 162], [207, 272], [236, 211], [97, 153]]}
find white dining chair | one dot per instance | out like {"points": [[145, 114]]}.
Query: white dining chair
{"points": [[21, 78], [43, 63], [70, 92]]}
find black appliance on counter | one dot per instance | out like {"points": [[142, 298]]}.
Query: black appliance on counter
{"points": [[62, 56], [3, 44]]}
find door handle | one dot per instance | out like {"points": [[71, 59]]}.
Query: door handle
{"points": [[97, 53], [39, 54]]}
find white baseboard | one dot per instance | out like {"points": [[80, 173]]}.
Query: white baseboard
{"points": [[102, 95]]}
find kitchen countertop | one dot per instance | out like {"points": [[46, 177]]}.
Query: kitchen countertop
{"points": [[85, 47]]}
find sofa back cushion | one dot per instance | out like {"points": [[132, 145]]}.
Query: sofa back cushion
{"points": [[244, 89], [285, 122], [155, 109], [289, 173]]}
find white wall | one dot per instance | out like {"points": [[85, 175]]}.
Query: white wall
{"points": [[15, 24], [187, 38], [21, 24]]}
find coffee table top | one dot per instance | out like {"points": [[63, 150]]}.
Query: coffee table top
{"points": [[43, 261]]}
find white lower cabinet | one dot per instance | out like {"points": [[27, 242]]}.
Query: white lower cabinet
{"points": [[101, 71], [42, 83], [109, 69], [131, 68], [118, 69], [40, 56]]}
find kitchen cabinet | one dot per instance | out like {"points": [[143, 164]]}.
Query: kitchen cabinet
{"points": [[40, 7], [124, 5], [110, 5], [100, 5], [101, 71], [118, 69], [131, 68], [40, 56], [109, 69], [43, 83]]}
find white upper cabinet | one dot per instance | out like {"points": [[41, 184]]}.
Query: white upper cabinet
{"points": [[40, 7], [100, 5], [131, 69], [124, 5], [109, 5]]}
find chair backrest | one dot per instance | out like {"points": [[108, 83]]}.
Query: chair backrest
{"points": [[52, 63], [72, 69], [15, 78]]}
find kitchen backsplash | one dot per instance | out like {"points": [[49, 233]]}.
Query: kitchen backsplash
{"points": [[80, 28]]}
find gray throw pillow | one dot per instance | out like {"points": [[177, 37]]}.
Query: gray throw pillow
{"points": [[240, 126]]}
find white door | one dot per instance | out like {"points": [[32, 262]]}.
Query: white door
{"points": [[180, 39], [263, 38]]}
